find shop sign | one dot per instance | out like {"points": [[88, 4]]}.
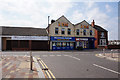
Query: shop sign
{"points": [[62, 38], [63, 24], [81, 39], [29, 37]]}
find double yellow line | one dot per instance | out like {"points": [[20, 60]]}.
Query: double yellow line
{"points": [[46, 70]]}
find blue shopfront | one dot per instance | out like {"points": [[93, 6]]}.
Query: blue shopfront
{"points": [[85, 42], [62, 43]]}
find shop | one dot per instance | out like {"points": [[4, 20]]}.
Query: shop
{"points": [[86, 43], [62, 43], [23, 39], [27, 43]]}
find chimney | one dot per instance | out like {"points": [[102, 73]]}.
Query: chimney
{"points": [[92, 23], [52, 21]]}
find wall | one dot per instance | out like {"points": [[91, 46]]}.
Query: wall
{"points": [[55, 25], [84, 23], [96, 41]]}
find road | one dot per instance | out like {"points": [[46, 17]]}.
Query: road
{"points": [[75, 64]]}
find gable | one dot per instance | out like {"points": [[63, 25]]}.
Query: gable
{"points": [[62, 22], [84, 25]]}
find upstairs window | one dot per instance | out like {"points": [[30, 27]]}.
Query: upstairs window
{"points": [[77, 31], [90, 32], [63, 31], [56, 30], [84, 32], [69, 31]]}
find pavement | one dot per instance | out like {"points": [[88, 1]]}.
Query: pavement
{"points": [[18, 67], [109, 56]]}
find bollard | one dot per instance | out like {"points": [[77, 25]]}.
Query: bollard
{"points": [[104, 52], [31, 64], [111, 53]]}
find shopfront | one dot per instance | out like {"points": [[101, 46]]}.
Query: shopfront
{"points": [[86, 43], [62, 43]]}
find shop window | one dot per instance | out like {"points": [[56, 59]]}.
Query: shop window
{"points": [[84, 32], [56, 30], [63, 31], [90, 32], [68, 44], [54, 44], [58, 44], [69, 31], [64, 44], [71, 44], [77, 31], [77, 43], [102, 41]]}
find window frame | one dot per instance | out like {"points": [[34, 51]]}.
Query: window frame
{"points": [[63, 30], [56, 30]]}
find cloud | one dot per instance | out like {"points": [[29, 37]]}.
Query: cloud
{"points": [[31, 12], [108, 8], [101, 18]]}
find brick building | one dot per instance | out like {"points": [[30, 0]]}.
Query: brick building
{"points": [[101, 36]]}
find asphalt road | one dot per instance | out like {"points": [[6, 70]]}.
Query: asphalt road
{"points": [[75, 64], [79, 65]]}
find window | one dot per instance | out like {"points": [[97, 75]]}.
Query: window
{"points": [[84, 32], [77, 31], [90, 32], [63, 31], [54, 44], [56, 30], [69, 31], [102, 41]]}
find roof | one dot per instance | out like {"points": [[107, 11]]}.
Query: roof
{"points": [[24, 31], [81, 22], [99, 28], [58, 19]]}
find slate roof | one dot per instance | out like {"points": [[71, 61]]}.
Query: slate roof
{"points": [[99, 28], [23, 31]]}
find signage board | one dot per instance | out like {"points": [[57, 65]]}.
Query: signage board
{"points": [[62, 38], [29, 37], [81, 39]]}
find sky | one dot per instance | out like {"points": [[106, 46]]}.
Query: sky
{"points": [[34, 13]]}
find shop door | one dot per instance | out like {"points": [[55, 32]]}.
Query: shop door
{"points": [[91, 44]]}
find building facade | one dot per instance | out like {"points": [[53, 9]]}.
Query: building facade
{"points": [[61, 34], [101, 36], [84, 34], [18, 38]]}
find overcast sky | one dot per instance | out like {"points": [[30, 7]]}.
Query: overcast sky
{"points": [[34, 13]]}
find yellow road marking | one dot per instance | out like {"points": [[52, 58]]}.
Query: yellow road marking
{"points": [[42, 64], [51, 74], [48, 74]]}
